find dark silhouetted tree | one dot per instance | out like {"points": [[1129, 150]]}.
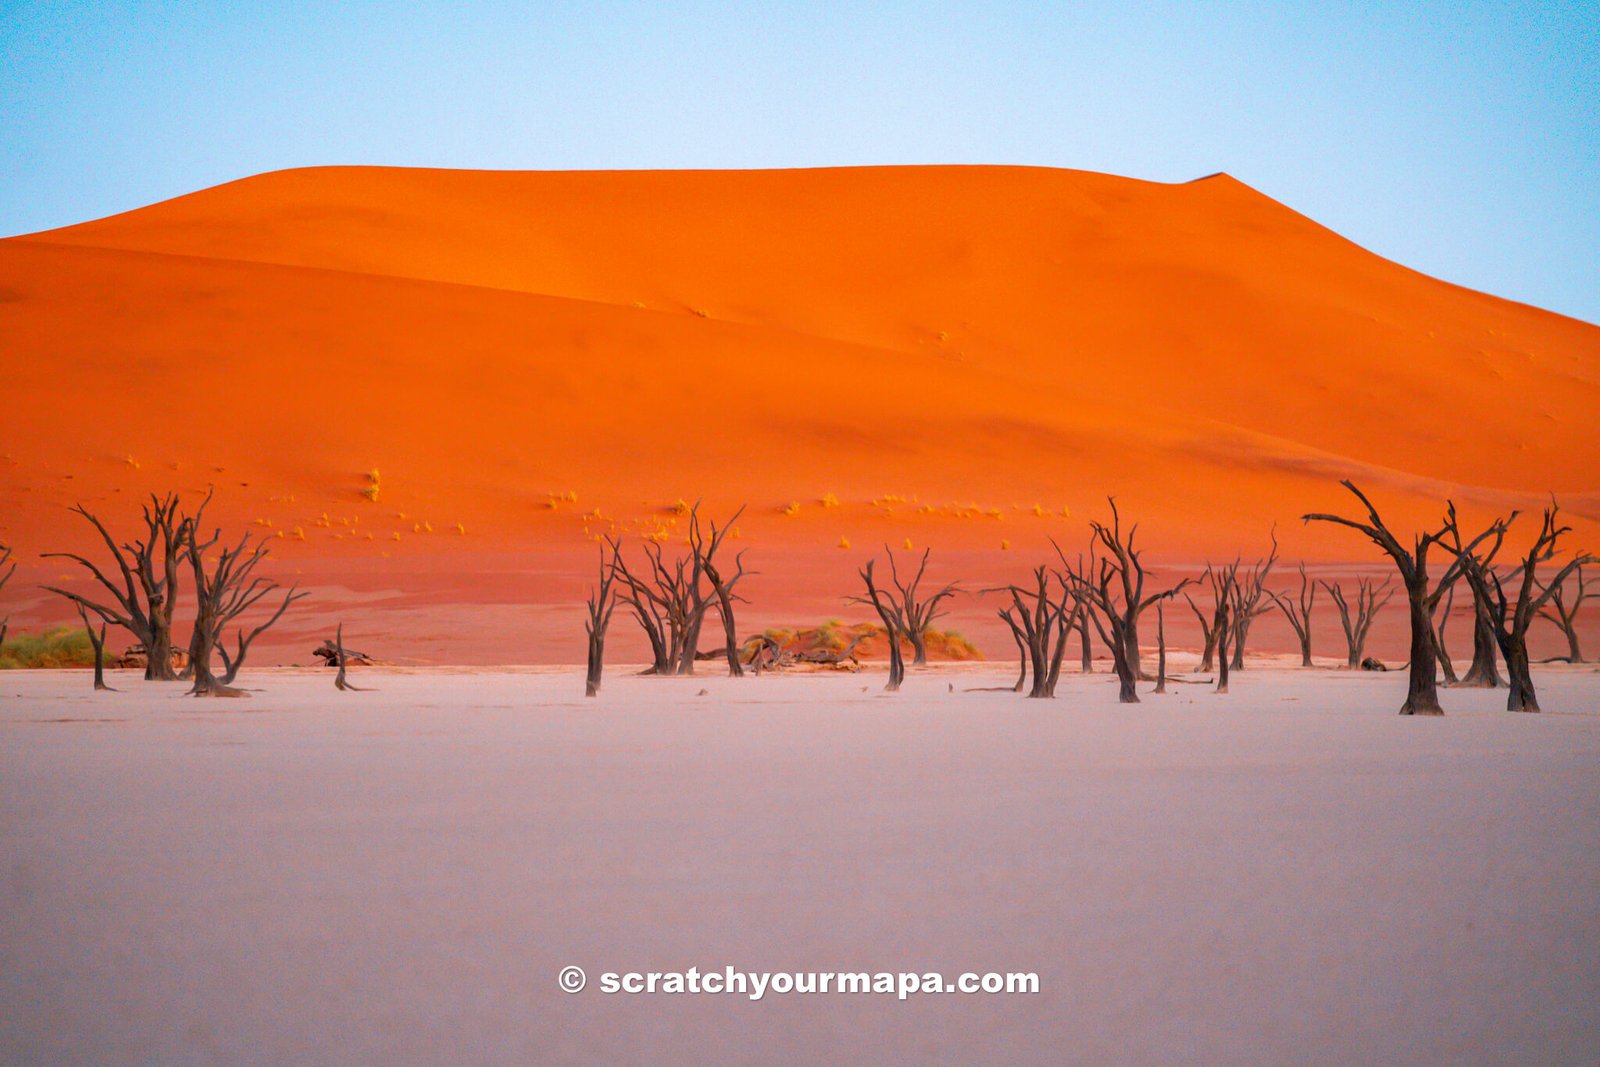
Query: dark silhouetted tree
{"points": [[1115, 594], [1248, 592], [1040, 617], [98, 643], [1357, 621], [224, 592], [893, 624], [1422, 694], [1298, 613], [340, 682], [1563, 611], [602, 602], [1511, 616], [5, 576], [145, 592], [916, 612], [1224, 581]]}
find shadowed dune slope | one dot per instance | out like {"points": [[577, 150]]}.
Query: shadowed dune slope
{"points": [[956, 353]]}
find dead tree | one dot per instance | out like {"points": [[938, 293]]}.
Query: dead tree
{"points": [[1422, 694], [917, 613], [602, 602], [671, 603], [142, 602], [1483, 673], [243, 640], [1022, 648], [1080, 622], [1298, 612], [1208, 630], [1161, 645], [1115, 594], [834, 657], [1223, 582], [1511, 618], [1247, 605], [697, 599], [893, 623], [658, 604], [1559, 610], [705, 550], [1447, 667], [5, 576], [1370, 599], [1040, 622], [222, 594], [98, 643], [341, 657]]}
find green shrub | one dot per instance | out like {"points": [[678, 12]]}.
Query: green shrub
{"points": [[59, 646]]}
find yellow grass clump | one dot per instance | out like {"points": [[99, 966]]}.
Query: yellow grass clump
{"points": [[59, 646]]}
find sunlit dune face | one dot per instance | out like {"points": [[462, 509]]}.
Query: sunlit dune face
{"points": [[412, 370]]}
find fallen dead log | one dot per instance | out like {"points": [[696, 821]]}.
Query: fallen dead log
{"points": [[135, 657], [329, 650]]}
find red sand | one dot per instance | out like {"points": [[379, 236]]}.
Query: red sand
{"points": [[981, 341]]}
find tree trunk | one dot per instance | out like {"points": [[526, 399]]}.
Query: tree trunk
{"points": [[1127, 673], [99, 644], [1484, 673], [1055, 659], [1522, 697], [691, 644], [1422, 694], [1022, 661], [661, 661], [1208, 659], [158, 664], [1305, 647], [1445, 666], [1039, 659], [1222, 660], [1161, 654], [919, 647], [1130, 649], [725, 609], [207, 684], [597, 648], [1083, 628], [897, 663]]}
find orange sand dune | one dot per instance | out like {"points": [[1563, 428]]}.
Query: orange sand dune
{"points": [[958, 355]]}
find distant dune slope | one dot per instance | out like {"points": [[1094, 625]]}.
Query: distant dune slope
{"points": [[955, 353]]}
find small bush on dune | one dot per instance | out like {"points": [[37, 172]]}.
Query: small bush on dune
{"points": [[59, 646], [830, 635], [951, 645], [834, 635]]}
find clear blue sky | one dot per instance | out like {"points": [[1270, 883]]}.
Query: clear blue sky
{"points": [[1462, 139]]}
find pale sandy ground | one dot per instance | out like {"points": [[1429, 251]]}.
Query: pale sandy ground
{"points": [[1289, 874]]}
